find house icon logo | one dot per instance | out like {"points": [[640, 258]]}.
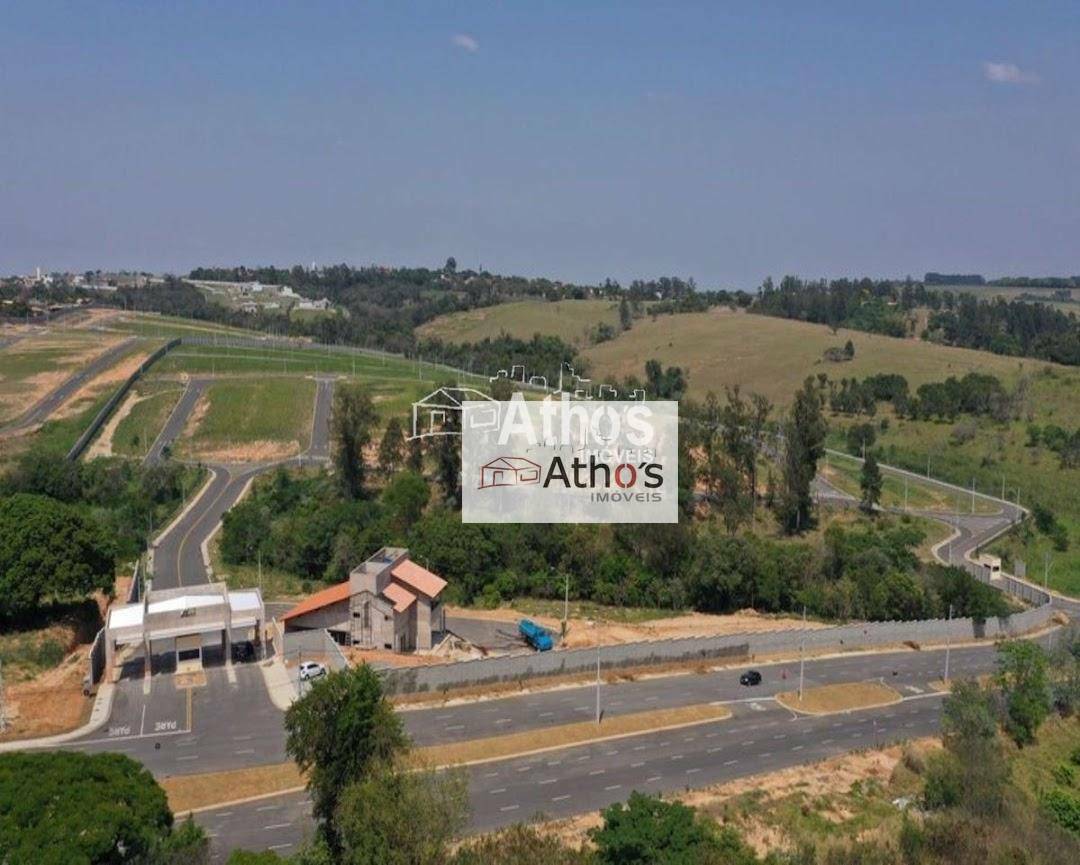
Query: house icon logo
{"points": [[509, 472]]}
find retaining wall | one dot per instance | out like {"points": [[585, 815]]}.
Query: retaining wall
{"points": [[99, 420], [487, 671]]}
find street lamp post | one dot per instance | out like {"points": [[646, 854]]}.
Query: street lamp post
{"points": [[948, 643], [802, 654]]}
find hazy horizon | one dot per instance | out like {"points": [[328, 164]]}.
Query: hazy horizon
{"points": [[615, 140]]}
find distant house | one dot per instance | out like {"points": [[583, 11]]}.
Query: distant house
{"points": [[509, 472], [388, 602]]}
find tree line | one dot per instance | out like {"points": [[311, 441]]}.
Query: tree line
{"points": [[1018, 328]]}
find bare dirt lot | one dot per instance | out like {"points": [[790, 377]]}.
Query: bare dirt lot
{"points": [[582, 633]]}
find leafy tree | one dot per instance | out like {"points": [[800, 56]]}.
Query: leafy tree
{"points": [[975, 763], [451, 265], [1025, 686], [448, 458], [338, 732], [48, 550], [870, 482], [405, 498], [354, 418], [626, 318], [69, 808], [414, 457], [649, 831], [392, 446], [804, 435], [401, 818], [849, 349]]}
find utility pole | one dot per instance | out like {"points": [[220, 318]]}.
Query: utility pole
{"points": [[947, 645], [802, 653], [973, 495], [598, 682], [259, 554]]}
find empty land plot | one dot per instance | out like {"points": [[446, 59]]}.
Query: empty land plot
{"points": [[570, 320], [149, 406], [722, 348], [251, 419], [169, 326], [37, 364], [394, 382]]}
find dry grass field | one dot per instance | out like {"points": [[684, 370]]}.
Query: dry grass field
{"points": [[774, 355], [570, 320]]}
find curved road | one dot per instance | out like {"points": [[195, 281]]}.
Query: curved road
{"points": [[178, 558]]}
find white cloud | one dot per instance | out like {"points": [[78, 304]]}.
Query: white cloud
{"points": [[1008, 73], [466, 42]]}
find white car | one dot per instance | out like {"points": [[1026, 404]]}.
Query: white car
{"points": [[311, 670]]}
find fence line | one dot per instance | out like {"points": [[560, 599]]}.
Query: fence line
{"points": [[99, 420]]}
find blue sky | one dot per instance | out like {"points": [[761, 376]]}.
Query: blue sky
{"points": [[724, 141]]}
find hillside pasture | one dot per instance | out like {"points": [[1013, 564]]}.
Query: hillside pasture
{"points": [[772, 356], [570, 320]]}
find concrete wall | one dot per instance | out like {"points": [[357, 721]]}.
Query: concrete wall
{"points": [[314, 644], [99, 421], [843, 637]]}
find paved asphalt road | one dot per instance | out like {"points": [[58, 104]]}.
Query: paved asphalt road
{"points": [[759, 737], [177, 419], [178, 559], [40, 411]]}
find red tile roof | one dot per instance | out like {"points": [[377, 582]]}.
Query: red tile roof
{"points": [[416, 577], [401, 597], [325, 598]]}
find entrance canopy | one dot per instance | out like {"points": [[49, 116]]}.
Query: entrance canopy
{"points": [[185, 611]]}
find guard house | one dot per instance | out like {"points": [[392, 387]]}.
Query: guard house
{"points": [[388, 602], [184, 621]]}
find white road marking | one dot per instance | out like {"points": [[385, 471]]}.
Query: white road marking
{"points": [[562, 798], [498, 790]]}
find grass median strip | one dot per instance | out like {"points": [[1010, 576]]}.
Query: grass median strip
{"points": [[564, 736], [844, 697], [197, 792]]}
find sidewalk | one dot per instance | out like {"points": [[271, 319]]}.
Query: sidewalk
{"points": [[279, 684]]}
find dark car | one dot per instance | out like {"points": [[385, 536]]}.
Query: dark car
{"points": [[243, 651], [750, 677]]}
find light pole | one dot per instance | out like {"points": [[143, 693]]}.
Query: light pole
{"points": [[802, 654], [947, 646], [598, 682]]}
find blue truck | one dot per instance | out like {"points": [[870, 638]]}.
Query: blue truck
{"points": [[535, 636]]}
